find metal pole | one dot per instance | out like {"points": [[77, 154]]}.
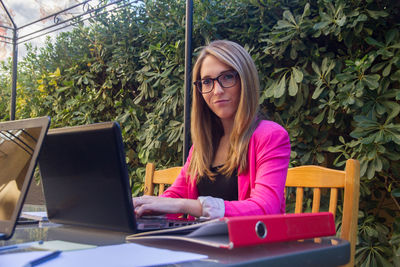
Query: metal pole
{"points": [[14, 75], [15, 60], [188, 80]]}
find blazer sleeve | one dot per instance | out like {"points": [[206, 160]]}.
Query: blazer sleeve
{"points": [[264, 182]]}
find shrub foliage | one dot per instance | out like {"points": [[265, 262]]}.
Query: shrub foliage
{"points": [[329, 70]]}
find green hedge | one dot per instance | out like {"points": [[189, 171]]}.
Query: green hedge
{"points": [[330, 73]]}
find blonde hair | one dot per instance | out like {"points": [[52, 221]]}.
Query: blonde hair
{"points": [[206, 127]]}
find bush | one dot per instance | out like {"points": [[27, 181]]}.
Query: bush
{"points": [[329, 71]]}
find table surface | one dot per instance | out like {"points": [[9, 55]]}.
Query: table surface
{"points": [[326, 251]]}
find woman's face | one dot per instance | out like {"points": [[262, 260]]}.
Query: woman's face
{"points": [[222, 101]]}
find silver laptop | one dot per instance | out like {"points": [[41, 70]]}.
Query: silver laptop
{"points": [[20, 144]]}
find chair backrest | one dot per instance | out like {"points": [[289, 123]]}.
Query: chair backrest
{"points": [[317, 177], [311, 176], [160, 178]]}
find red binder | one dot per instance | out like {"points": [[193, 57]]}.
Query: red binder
{"points": [[230, 232]]}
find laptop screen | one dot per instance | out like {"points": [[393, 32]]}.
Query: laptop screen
{"points": [[85, 177], [20, 142]]}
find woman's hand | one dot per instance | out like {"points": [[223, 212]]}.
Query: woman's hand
{"points": [[164, 205]]}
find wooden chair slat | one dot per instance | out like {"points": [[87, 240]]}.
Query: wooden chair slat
{"points": [[316, 200], [299, 200], [159, 177], [333, 201]]}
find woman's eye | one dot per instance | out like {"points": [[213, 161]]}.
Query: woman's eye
{"points": [[228, 76], [206, 81]]}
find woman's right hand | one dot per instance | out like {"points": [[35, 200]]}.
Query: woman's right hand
{"points": [[163, 205]]}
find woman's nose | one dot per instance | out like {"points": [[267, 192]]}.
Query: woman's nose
{"points": [[218, 88]]}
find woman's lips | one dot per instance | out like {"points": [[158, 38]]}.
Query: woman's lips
{"points": [[221, 101]]}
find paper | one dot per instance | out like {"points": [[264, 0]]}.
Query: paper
{"points": [[35, 215], [52, 245], [20, 259], [61, 245], [124, 255]]}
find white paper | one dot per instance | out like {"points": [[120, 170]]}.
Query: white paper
{"points": [[35, 215], [54, 245], [127, 254]]}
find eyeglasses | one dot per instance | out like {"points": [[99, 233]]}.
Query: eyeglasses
{"points": [[226, 79]]}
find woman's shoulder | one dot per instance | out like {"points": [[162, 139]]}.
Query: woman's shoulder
{"points": [[269, 128], [271, 134]]}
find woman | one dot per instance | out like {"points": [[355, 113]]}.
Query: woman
{"points": [[238, 162]]}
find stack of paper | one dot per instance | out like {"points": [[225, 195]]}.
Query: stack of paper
{"points": [[116, 255]]}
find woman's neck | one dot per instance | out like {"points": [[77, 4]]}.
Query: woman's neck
{"points": [[222, 151], [227, 124]]}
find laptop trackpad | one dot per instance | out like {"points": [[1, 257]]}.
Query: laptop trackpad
{"points": [[148, 223]]}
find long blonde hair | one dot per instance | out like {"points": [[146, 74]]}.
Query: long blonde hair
{"points": [[206, 127]]}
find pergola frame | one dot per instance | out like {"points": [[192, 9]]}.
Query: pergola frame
{"points": [[15, 40]]}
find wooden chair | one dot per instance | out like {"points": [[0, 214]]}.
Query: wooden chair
{"points": [[311, 176], [319, 177], [161, 177]]}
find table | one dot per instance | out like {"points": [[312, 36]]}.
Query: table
{"points": [[326, 251]]}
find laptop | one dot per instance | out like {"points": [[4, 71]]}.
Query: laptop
{"points": [[85, 180], [20, 145]]}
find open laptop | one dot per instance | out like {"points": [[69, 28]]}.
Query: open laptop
{"points": [[85, 180], [20, 144]]}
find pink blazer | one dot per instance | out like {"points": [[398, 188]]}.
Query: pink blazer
{"points": [[261, 187]]}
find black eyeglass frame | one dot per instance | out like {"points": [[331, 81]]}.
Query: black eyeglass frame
{"points": [[198, 83]]}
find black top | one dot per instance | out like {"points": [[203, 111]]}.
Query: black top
{"points": [[222, 187]]}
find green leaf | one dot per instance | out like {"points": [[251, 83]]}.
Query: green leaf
{"points": [[341, 139], [344, 77], [293, 53], [386, 70], [369, 139], [331, 116], [167, 72], [395, 76], [298, 75], [396, 46], [305, 157], [372, 41], [306, 11], [372, 81], [393, 109], [341, 21], [321, 25], [289, 17], [390, 35], [378, 67], [320, 117], [280, 88], [315, 67], [283, 24], [363, 167], [377, 14], [269, 91], [293, 88], [370, 171], [334, 149], [320, 158], [396, 192]]}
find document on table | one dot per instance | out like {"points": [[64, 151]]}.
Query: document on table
{"points": [[54, 245], [35, 215], [122, 255]]}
